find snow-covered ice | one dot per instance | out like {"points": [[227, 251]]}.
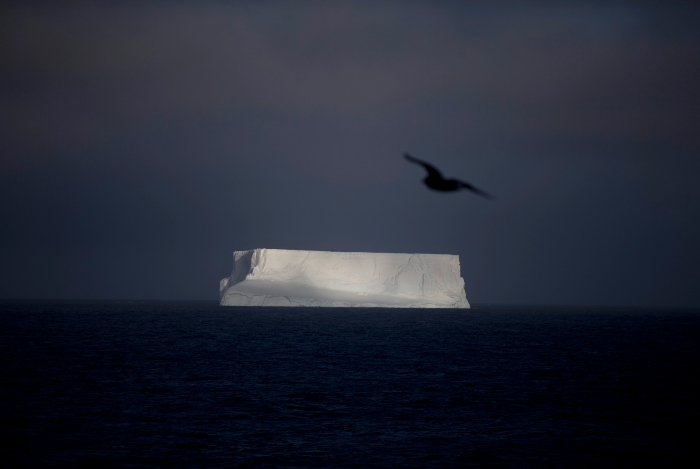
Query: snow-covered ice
{"points": [[280, 277]]}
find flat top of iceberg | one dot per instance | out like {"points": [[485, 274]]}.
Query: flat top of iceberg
{"points": [[348, 253], [343, 252]]}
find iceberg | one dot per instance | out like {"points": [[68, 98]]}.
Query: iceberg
{"points": [[281, 277]]}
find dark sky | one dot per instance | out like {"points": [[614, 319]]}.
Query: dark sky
{"points": [[142, 143]]}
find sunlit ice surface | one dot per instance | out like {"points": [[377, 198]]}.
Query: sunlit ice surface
{"points": [[278, 277]]}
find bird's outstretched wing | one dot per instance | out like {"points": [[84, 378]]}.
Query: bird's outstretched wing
{"points": [[432, 171], [466, 185]]}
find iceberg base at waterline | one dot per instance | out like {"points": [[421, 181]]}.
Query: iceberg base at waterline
{"points": [[280, 277]]}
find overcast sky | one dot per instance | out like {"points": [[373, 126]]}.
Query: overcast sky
{"points": [[141, 143]]}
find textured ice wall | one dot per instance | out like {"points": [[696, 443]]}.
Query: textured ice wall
{"points": [[279, 277]]}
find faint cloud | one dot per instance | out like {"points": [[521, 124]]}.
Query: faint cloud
{"points": [[77, 76]]}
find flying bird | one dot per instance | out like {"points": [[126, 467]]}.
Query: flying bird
{"points": [[436, 182]]}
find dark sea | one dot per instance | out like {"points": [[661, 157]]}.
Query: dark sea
{"points": [[197, 385]]}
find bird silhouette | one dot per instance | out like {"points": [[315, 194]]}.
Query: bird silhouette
{"points": [[436, 182]]}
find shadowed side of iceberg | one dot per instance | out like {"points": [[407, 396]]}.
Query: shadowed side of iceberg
{"points": [[277, 277]]}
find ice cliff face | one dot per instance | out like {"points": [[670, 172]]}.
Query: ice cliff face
{"points": [[279, 277]]}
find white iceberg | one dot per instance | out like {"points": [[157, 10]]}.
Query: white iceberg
{"points": [[280, 277]]}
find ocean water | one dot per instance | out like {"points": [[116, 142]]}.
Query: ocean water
{"points": [[146, 384]]}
